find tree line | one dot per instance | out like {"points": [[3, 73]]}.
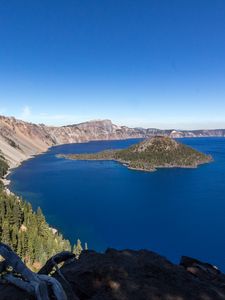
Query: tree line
{"points": [[27, 231]]}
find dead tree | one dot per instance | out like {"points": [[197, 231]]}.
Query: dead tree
{"points": [[39, 284]]}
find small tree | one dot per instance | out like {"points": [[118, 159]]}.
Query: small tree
{"points": [[85, 246], [77, 249]]}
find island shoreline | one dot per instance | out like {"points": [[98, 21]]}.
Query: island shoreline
{"points": [[6, 181], [149, 155], [125, 164]]}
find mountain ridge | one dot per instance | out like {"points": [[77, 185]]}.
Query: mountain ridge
{"points": [[20, 140]]}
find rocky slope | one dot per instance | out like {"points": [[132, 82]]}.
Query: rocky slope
{"points": [[92, 130], [150, 154], [20, 140], [132, 275]]}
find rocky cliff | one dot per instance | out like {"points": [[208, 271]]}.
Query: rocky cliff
{"points": [[20, 140], [132, 275], [92, 130]]}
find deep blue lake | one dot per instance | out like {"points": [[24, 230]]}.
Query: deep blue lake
{"points": [[172, 211]]}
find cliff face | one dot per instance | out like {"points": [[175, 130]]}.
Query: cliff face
{"points": [[197, 133], [132, 275], [93, 130], [20, 140]]}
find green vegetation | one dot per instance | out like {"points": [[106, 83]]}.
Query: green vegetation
{"points": [[1, 185], [27, 232], [3, 166], [12, 143], [77, 249], [157, 152]]}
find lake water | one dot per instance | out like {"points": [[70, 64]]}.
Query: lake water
{"points": [[172, 211]]}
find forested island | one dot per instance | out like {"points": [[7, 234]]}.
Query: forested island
{"points": [[148, 155]]}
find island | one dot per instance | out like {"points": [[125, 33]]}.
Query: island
{"points": [[150, 154]]}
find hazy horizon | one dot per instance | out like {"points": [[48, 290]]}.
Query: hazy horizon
{"points": [[121, 124]]}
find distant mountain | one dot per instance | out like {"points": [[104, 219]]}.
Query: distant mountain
{"points": [[153, 153], [20, 140]]}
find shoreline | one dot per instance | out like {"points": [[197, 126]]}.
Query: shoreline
{"points": [[6, 181], [127, 165]]}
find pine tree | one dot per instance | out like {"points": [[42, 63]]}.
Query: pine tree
{"points": [[27, 232], [24, 230], [6, 233], [77, 249]]}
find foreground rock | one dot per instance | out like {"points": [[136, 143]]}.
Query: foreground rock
{"points": [[133, 275]]}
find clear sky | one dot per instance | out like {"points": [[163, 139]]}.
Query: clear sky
{"points": [[149, 63]]}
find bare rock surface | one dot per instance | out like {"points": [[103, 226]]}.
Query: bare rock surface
{"points": [[133, 275], [138, 275]]}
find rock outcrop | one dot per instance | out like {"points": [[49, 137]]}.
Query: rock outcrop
{"points": [[20, 140], [133, 275]]}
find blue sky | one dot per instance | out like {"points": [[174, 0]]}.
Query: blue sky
{"points": [[153, 63]]}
